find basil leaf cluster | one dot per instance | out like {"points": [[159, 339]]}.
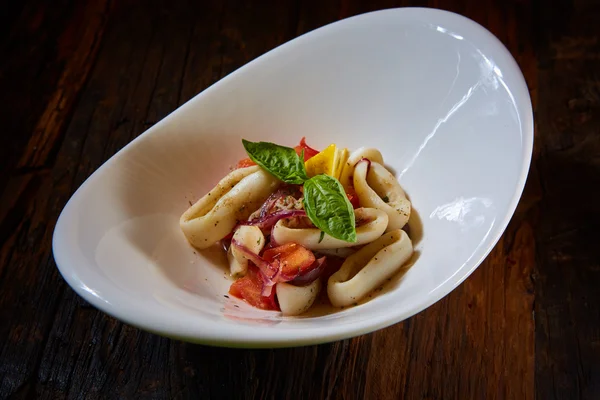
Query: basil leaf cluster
{"points": [[325, 200], [282, 162], [328, 207]]}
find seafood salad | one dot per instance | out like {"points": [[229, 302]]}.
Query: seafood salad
{"points": [[295, 221]]}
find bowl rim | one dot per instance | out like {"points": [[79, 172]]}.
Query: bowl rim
{"points": [[293, 338]]}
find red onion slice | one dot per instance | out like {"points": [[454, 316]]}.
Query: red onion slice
{"points": [[265, 223], [267, 206], [269, 203], [272, 273], [269, 283], [312, 275], [266, 269], [266, 218], [267, 289]]}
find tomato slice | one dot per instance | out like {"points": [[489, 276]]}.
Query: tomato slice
{"points": [[275, 252], [249, 289], [353, 197], [246, 162], [309, 152], [293, 259]]}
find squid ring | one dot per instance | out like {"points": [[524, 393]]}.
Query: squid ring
{"points": [[233, 199], [314, 239], [357, 155], [376, 187], [294, 300], [252, 238], [369, 268]]}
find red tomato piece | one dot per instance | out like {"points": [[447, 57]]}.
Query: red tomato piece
{"points": [[249, 289], [353, 197], [293, 259], [309, 152], [246, 162], [275, 252]]}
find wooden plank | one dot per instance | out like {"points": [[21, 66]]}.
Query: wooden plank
{"points": [[29, 70], [81, 41], [567, 297]]}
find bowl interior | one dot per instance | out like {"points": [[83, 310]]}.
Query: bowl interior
{"points": [[438, 95]]}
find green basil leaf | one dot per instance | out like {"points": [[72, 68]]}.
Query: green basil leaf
{"points": [[328, 207], [282, 162]]}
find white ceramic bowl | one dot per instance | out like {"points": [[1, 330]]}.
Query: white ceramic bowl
{"points": [[438, 94]]}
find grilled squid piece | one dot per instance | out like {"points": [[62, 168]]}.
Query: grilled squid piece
{"points": [[369, 268], [294, 300], [357, 155], [375, 222], [252, 238], [233, 199], [376, 187]]}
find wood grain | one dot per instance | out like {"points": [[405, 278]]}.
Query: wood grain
{"points": [[567, 297], [82, 79], [80, 40]]}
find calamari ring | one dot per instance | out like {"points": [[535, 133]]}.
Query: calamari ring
{"points": [[233, 199], [377, 188], [369, 268], [252, 238], [357, 155], [294, 300], [310, 238]]}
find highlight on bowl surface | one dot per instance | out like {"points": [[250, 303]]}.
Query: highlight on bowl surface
{"points": [[296, 223]]}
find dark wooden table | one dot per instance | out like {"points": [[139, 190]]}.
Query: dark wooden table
{"points": [[80, 79]]}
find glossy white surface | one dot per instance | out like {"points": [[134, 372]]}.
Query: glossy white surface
{"points": [[439, 96]]}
